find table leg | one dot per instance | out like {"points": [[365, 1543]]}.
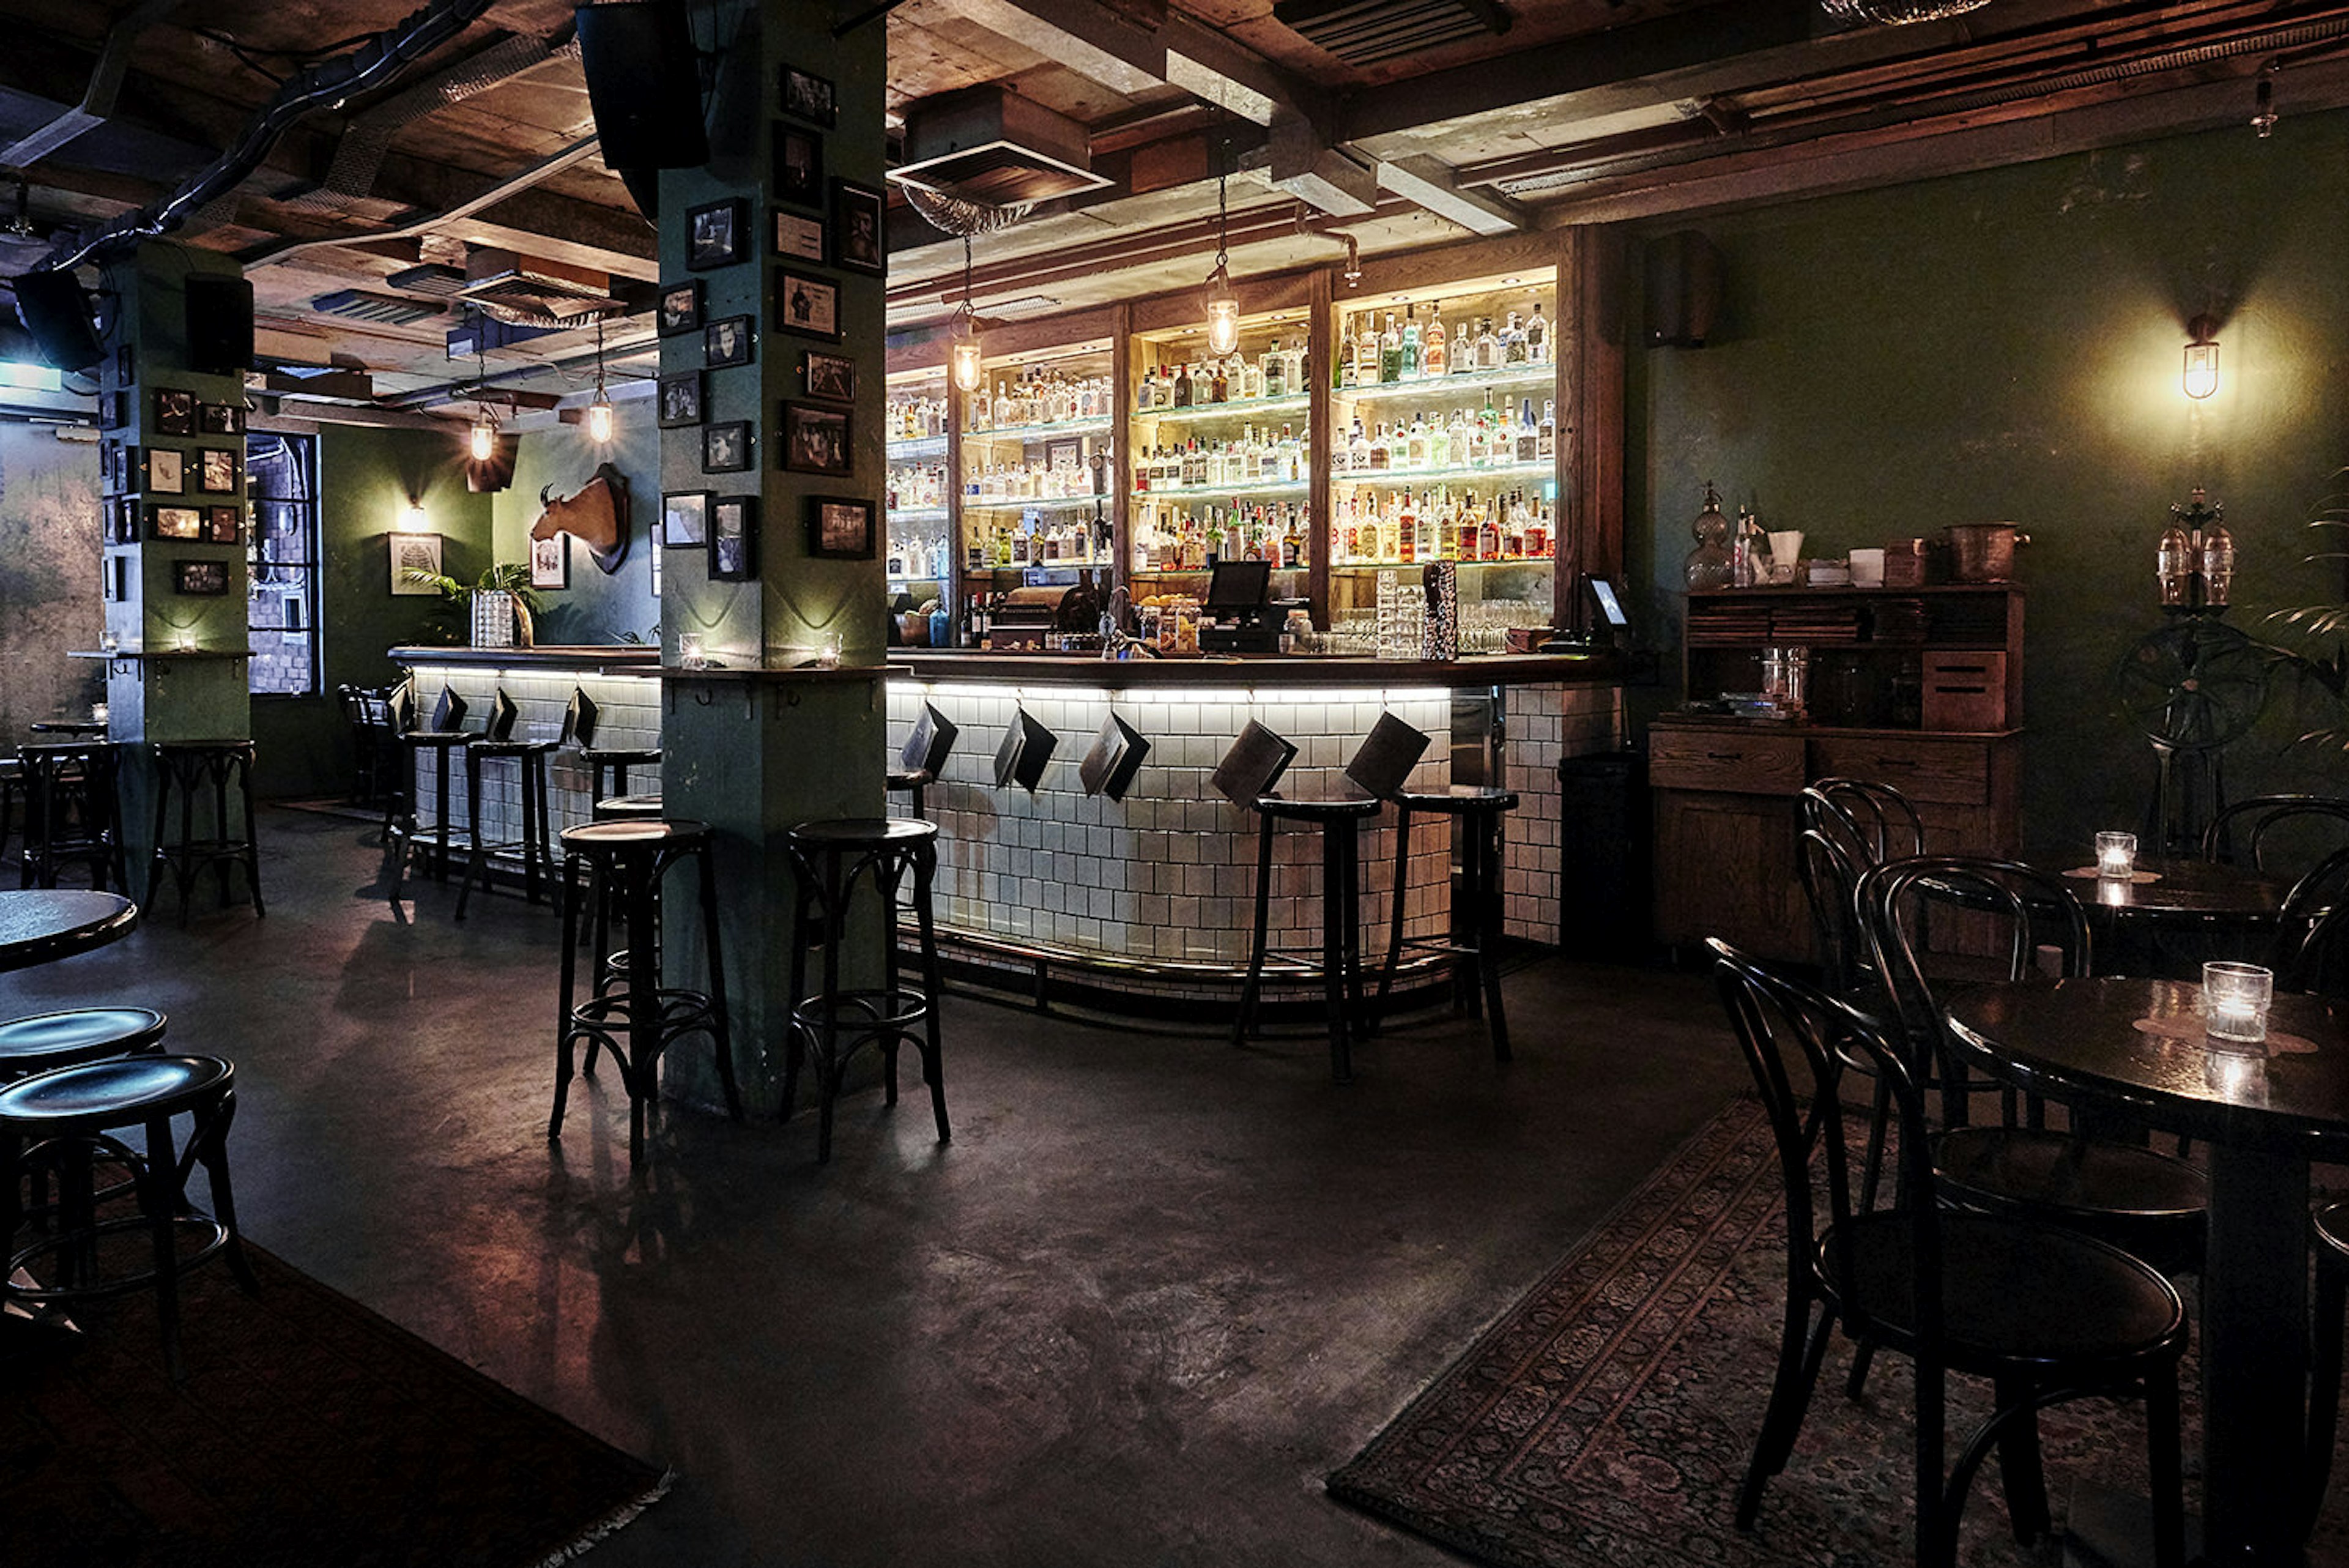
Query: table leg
{"points": [[2254, 1356]]}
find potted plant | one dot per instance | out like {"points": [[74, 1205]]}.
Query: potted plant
{"points": [[497, 611]]}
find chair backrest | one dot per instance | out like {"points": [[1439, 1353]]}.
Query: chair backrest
{"points": [[1381, 764], [400, 709], [1871, 823], [1253, 764], [1798, 1042], [1899, 903], [2256, 822], [931, 742], [503, 714], [1830, 880], [579, 720], [2312, 941]]}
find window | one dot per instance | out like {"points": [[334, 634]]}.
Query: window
{"points": [[282, 549]]}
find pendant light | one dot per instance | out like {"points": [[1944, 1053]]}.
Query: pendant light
{"points": [[485, 422], [599, 411], [1223, 305], [964, 356]]}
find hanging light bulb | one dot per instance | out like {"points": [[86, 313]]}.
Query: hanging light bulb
{"points": [[1223, 305], [485, 434], [963, 358], [484, 441], [2202, 357], [599, 411]]}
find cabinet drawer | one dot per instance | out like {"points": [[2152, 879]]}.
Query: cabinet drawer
{"points": [[1730, 763], [1956, 773]]}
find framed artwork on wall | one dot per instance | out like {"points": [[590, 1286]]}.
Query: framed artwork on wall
{"points": [[816, 440], [807, 305], [685, 517], [799, 166], [550, 562], [216, 471], [717, 234], [175, 411], [221, 419], [205, 580], [680, 308], [832, 376], [414, 553], [840, 527], [725, 448], [857, 227], [167, 473], [808, 97], [801, 238], [223, 525], [681, 400], [175, 522], [727, 342], [734, 538]]}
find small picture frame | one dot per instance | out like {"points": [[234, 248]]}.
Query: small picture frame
{"points": [[550, 562], [685, 517], [816, 440], [121, 520], [175, 411], [680, 308], [125, 365], [840, 527], [725, 448], [681, 400], [414, 553], [799, 166], [734, 538], [798, 237], [166, 470], [113, 410], [807, 305], [809, 97], [727, 342], [717, 234], [203, 580], [830, 377], [216, 469], [859, 218], [175, 522], [114, 579], [221, 419], [110, 466], [223, 525]]}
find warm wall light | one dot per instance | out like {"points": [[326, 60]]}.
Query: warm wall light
{"points": [[2202, 357], [412, 519]]}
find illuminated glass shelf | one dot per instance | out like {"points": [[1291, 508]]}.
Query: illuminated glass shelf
{"points": [[1258, 487], [1288, 403], [1412, 565], [1512, 378], [1195, 571], [1097, 425], [1022, 503], [912, 448], [917, 514], [1540, 468]]}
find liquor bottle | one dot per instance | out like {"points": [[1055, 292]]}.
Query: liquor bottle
{"points": [[1439, 443], [1218, 385], [1410, 343], [1415, 449], [1346, 351], [1382, 451], [1528, 433], [1366, 353], [1358, 450], [1276, 373], [1292, 542], [1434, 357], [1545, 440], [1513, 342], [1539, 533], [1406, 528], [1182, 387], [1538, 335], [1391, 352]]}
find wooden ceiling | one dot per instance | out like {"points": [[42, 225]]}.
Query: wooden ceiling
{"points": [[1580, 110]]}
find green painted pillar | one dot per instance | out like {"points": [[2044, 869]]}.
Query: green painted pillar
{"points": [[174, 564], [765, 739]]}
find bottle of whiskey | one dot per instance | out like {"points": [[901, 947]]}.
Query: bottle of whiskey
{"points": [[1275, 373], [1347, 349], [1434, 357], [1292, 542]]}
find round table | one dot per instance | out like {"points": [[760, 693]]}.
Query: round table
{"points": [[39, 925], [2188, 892], [2136, 1046], [68, 727]]}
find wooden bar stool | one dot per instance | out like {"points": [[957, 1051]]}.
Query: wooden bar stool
{"points": [[529, 757], [73, 812], [579, 722], [446, 735], [1476, 910], [828, 860], [191, 768], [641, 1018]]}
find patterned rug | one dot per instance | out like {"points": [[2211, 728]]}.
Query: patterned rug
{"points": [[309, 1432], [1607, 1417]]}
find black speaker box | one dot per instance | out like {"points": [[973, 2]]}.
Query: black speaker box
{"points": [[1683, 288], [643, 83], [57, 313], [220, 325]]}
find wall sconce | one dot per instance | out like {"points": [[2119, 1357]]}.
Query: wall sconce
{"points": [[412, 519], [2202, 357]]}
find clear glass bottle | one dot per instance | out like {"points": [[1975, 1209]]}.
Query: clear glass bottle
{"points": [[1434, 353], [1706, 568], [1410, 343], [2217, 562]]}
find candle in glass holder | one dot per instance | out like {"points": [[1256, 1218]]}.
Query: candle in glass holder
{"points": [[186, 642], [98, 713], [2115, 854], [828, 654], [689, 649], [2235, 998]]}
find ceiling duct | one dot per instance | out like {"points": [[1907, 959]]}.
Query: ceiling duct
{"points": [[437, 280], [1366, 32], [528, 292], [986, 145], [952, 215], [1895, 13], [384, 310]]}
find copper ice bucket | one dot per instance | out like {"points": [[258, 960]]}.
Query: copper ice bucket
{"points": [[1983, 552]]}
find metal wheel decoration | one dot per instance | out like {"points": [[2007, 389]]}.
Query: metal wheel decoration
{"points": [[2193, 685]]}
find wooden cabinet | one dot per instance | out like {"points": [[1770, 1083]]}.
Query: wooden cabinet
{"points": [[1724, 789]]}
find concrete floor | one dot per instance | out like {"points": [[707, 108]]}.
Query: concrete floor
{"points": [[1152, 1292]]}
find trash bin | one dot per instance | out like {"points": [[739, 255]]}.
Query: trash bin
{"points": [[1604, 856]]}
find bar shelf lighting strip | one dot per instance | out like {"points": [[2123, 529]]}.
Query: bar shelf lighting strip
{"points": [[1465, 380], [1296, 403], [1099, 425], [917, 514], [1170, 696], [911, 448], [1189, 492]]}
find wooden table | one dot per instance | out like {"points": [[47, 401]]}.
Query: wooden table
{"points": [[2191, 910], [2137, 1045]]}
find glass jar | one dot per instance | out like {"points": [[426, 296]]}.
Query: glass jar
{"points": [[1707, 567]]}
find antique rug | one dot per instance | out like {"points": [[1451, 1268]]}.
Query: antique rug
{"points": [[1607, 1418], [310, 1433]]}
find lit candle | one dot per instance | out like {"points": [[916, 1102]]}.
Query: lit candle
{"points": [[186, 642], [98, 713], [2235, 998], [2115, 854], [829, 657], [689, 649]]}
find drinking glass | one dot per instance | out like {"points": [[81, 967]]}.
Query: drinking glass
{"points": [[2235, 998]]}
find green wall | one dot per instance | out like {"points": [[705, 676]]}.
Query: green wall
{"points": [[2007, 346], [596, 607]]}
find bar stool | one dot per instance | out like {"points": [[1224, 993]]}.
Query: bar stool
{"points": [[73, 812], [189, 767], [629, 808], [642, 1018], [497, 744], [75, 1111], [828, 859], [1480, 811], [446, 735], [612, 967], [579, 723], [923, 762], [43, 1040]]}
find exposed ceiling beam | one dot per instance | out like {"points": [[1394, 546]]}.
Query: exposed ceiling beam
{"points": [[1309, 168], [97, 98], [1433, 185], [1129, 58]]}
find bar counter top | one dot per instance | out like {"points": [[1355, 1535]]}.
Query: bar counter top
{"points": [[1288, 670], [611, 657]]}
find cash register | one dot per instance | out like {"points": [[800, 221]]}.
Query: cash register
{"points": [[1244, 619]]}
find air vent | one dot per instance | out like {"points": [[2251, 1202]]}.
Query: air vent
{"points": [[537, 292], [986, 145], [437, 279], [1365, 32], [384, 310]]}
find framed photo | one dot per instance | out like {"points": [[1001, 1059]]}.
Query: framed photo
{"points": [[685, 517], [550, 562], [799, 166], [114, 579], [807, 305], [815, 440], [840, 527], [734, 538], [175, 522], [207, 579], [223, 525], [113, 410], [832, 376], [120, 525], [680, 308], [725, 448], [167, 471], [717, 234], [1066, 453], [798, 237], [727, 342], [810, 97], [221, 419], [681, 400], [414, 553], [216, 471], [175, 411], [124, 367], [858, 213], [111, 469]]}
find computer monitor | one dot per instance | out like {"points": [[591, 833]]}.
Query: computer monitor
{"points": [[1238, 584]]}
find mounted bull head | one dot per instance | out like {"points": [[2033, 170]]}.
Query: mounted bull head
{"points": [[598, 515]]}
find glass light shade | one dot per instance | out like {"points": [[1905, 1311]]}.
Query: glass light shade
{"points": [[412, 519], [964, 358], [1223, 313], [485, 437], [599, 421], [2201, 370]]}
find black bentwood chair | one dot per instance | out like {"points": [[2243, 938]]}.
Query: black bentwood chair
{"points": [[2044, 1314], [1870, 823]]}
